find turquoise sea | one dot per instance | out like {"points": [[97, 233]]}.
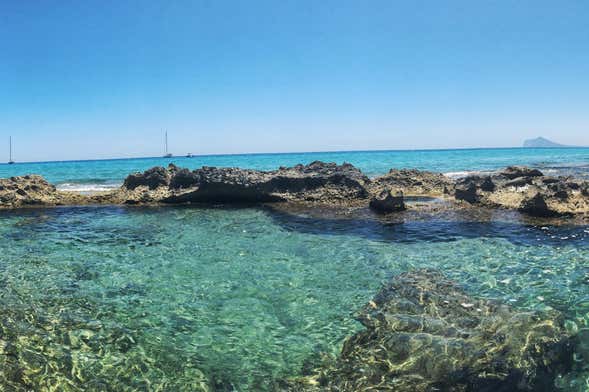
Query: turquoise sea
{"points": [[170, 298]]}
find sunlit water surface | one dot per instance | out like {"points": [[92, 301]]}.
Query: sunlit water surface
{"points": [[118, 299]]}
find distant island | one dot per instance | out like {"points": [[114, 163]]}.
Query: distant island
{"points": [[541, 142]]}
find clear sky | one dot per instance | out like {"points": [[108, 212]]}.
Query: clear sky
{"points": [[98, 79]]}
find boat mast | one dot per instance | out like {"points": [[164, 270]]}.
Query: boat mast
{"points": [[166, 142], [10, 156]]}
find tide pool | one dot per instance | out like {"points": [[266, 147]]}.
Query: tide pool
{"points": [[113, 298]]}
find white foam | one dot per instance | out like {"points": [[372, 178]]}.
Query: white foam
{"points": [[87, 188], [459, 174]]}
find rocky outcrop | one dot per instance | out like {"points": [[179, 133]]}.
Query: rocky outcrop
{"points": [[512, 172], [527, 190], [423, 333], [468, 190], [153, 178], [517, 188], [316, 182], [33, 190], [386, 202], [412, 182], [536, 206]]}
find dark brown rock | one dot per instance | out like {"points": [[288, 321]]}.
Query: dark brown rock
{"points": [[487, 184], [386, 202], [183, 178], [316, 182], [153, 178], [536, 206], [512, 172], [467, 190]]}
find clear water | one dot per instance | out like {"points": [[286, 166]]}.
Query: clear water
{"points": [[164, 299], [99, 175]]}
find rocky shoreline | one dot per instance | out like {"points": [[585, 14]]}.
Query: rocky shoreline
{"points": [[422, 332], [515, 188]]}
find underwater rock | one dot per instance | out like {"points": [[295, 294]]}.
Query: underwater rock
{"points": [[386, 202], [316, 182], [424, 333], [412, 182]]}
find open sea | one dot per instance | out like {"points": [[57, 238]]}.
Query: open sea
{"points": [[173, 298]]}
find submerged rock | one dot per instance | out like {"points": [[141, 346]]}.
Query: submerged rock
{"points": [[386, 202], [423, 333]]}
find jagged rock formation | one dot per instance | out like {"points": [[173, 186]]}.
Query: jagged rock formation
{"points": [[316, 182], [520, 188], [32, 190], [527, 190], [423, 333], [413, 182], [386, 202]]}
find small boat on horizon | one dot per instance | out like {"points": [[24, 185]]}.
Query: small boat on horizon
{"points": [[189, 155], [167, 154], [10, 161]]}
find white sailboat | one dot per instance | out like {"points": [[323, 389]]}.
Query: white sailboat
{"points": [[167, 154], [10, 161]]}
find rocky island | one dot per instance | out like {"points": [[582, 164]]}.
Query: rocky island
{"points": [[541, 142]]}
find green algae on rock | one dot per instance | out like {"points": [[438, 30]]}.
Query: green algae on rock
{"points": [[423, 333]]}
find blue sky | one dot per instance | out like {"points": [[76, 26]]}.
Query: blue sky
{"points": [[98, 79]]}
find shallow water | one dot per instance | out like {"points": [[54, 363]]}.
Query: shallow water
{"points": [[110, 298]]}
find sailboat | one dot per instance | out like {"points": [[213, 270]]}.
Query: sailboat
{"points": [[167, 154], [10, 161]]}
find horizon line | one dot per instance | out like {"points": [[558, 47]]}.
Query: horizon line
{"points": [[292, 153]]}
